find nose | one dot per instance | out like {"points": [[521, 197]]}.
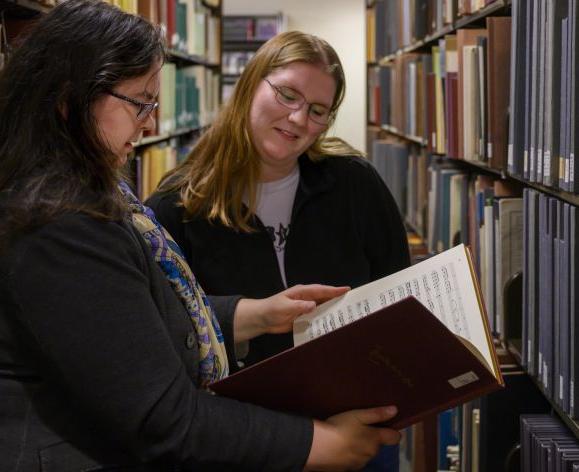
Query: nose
{"points": [[300, 116], [149, 123]]}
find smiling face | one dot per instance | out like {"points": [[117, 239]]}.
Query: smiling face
{"points": [[117, 118], [281, 134]]}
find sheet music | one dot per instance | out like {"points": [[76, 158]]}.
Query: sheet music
{"points": [[443, 284]]}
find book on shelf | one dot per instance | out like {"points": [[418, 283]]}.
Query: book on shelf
{"points": [[418, 339]]}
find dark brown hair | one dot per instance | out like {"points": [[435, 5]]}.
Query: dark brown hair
{"points": [[51, 157]]}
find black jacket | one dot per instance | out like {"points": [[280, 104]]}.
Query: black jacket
{"points": [[97, 357], [345, 230]]}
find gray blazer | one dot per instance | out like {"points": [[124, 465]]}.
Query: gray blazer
{"points": [[98, 359]]}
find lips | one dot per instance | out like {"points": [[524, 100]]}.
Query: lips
{"points": [[286, 134]]}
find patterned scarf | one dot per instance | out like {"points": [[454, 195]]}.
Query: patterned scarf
{"points": [[213, 364]]}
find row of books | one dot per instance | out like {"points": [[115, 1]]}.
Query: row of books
{"points": [[455, 99], [190, 26], [251, 28], [547, 445], [543, 96], [234, 62], [153, 162], [551, 301], [188, 98], [489, 428], [404, 169], [485, 213], [395, 24], [525, 251], [448, 204]]}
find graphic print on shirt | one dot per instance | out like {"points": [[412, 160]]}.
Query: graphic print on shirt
{"points": [[278, 236]]}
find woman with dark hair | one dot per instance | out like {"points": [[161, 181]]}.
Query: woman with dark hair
{"points": [[107, 342]]}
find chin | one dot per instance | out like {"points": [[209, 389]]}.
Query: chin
{"points": [[122, 160]]}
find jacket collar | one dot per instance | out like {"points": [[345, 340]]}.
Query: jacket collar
{"points": [[315, 179]]}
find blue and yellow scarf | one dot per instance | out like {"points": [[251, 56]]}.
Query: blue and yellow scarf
{"points": [[168, 255]]}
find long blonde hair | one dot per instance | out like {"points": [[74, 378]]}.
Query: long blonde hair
{"points": [[224, 164]]}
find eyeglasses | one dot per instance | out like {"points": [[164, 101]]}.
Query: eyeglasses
{"points": [[145, 109], [294, 100]]}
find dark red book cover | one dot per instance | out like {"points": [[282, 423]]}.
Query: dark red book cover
{"points": [[400, 355]]}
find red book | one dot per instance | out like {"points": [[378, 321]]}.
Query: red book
{"points": [[401, 354]]}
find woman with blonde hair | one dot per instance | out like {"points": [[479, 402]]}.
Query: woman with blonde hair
{"points": [[266, 200]]}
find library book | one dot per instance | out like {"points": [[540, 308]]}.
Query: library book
{"points": [[418, 339]]}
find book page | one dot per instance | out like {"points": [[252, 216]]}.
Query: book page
{"points": [[443, 284]]}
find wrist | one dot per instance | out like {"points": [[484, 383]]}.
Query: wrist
{"points": [[248, 320], [318, 458]]}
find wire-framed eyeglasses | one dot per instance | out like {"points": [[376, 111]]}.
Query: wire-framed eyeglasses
{"points": [[294, 100], [145, 108]]}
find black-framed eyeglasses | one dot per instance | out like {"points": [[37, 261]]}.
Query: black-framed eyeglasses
{"points": [[294, 100], [145, 109]]}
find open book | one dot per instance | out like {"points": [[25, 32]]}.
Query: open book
{"points": [[417, 339]]}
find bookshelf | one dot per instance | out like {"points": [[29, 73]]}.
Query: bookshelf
{"points": [[243, 35], [476, 113]]}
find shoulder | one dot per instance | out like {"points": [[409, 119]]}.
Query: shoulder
{"points": [[348, 167], [163, 199], [169, 213], [350, 171], [75, 235], [167, 207]]}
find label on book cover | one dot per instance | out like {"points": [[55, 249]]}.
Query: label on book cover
{"points": [[490, 150], [547, 164], [526, 161], [510, 159], [463, 379], [572, 394], [571, 168], [562, 168], [531, 160], [561, 387]]}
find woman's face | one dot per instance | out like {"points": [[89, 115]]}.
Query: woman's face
{"points": [[117, 118], [281, 134]]}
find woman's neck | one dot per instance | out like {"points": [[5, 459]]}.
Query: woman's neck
{"points": [[273, 173]]}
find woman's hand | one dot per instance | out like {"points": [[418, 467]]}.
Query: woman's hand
{"points": [[347, 441], [276, 314]]}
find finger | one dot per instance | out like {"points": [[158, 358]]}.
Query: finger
{"points": [[299, 307], [376, 415], [316, 292], [389, 437]]}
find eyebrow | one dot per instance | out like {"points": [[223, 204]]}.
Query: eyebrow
{"points": [[148, 96]]}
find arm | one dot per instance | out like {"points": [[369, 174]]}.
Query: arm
{"points": [[84, 297]]}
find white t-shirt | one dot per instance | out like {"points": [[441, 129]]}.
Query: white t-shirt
{"points": [[274, 208]]}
